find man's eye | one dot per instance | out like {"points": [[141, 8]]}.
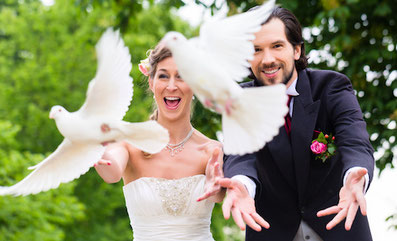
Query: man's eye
{"points": [[257, 49], [277, 46]]}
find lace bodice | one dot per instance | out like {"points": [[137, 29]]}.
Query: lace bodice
{"points": [[162, 209]]}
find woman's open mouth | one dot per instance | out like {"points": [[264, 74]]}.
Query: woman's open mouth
{"points": [[172, 102]]}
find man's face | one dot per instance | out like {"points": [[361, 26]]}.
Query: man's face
{"points": [[274, 59]]}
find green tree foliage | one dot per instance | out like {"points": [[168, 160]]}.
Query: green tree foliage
{"points": [[39, 217]]}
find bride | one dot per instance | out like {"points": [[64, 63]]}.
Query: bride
{"points": [[161, 190]]}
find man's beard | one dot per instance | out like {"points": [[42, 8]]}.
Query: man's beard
{"points": [[286, 74]]}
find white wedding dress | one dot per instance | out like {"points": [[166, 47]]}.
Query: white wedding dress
{"points": [[165, 210]]}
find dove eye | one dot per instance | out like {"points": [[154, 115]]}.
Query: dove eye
{"points": [[59, 110]]}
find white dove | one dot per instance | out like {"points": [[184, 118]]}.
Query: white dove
{"points": [[98, 120], [211, 63]]}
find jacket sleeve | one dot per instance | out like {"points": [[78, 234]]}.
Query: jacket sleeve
{"points": [[241, 165], [351, 136]]}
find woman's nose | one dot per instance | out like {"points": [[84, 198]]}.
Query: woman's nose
{"points": [[171, 84]]}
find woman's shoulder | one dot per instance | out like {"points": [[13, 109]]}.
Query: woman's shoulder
{"points": [[205, 142]]}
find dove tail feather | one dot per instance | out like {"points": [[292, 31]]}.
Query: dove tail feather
{"points": [[148, 136], [256, 118]]}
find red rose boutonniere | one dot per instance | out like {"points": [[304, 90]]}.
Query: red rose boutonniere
{"points": [[323, 146]]}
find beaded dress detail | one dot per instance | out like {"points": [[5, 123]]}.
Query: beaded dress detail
{"points": [[164, 210]]}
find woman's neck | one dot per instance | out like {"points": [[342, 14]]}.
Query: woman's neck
{"points": [[177, 129]]}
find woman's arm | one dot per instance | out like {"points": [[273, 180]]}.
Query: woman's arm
{"points": [[213, 191], [113, 163]]}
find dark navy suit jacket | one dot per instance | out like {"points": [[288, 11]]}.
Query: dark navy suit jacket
{"points": [[291, 184]]}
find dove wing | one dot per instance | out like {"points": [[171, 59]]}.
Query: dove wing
{"points": [[110, 93], [228, 42], [68, 162]]}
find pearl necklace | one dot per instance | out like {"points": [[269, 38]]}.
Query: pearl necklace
{"points": [[176, 148]]}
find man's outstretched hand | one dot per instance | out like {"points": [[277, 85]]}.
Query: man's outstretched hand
{"points": [[242, 206], [351, 196]]}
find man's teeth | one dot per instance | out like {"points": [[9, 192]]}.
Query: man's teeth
{"points": [[172, 98], [270, 71]]}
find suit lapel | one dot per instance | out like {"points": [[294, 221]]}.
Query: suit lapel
{"points": [[302, 126]]}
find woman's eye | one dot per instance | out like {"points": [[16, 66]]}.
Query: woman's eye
{"points": [[163, 76]]}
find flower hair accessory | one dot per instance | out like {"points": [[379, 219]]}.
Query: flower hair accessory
{"points": [[323, 147], [144, 66]]}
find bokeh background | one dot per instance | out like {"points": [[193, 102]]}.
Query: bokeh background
{"points": [[47, 57]]}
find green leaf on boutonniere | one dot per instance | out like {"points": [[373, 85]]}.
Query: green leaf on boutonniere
{"points": [[324, 158], [321, 138], [331, 149]]}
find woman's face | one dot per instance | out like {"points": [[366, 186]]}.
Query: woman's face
{"points": [[173, 96]]}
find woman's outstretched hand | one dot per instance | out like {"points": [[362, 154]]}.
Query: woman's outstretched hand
{"points": [[213, 173]]}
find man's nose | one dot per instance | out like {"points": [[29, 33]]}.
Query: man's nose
{"points": [[268, 57]]}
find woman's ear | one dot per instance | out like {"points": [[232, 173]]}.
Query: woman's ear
{"points": [[151, 84]]}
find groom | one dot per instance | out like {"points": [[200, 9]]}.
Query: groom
{"points": [[302, 197]]}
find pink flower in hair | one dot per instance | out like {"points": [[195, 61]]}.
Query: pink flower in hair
{"points": [[144, 67]]}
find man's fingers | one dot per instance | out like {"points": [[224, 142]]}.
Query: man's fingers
{"points": [[361, 172], [232, 184], [337, 219], [238, 219], [357, 174], [225, 182], [328, 211], [258, 219], [362, 203], [251, 222], [351, 214], [226, 206]]}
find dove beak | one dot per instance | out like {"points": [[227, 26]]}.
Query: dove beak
{"points": [[51, 115]]}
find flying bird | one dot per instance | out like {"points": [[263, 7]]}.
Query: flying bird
{"points": [[212, 63], [99, 120]]}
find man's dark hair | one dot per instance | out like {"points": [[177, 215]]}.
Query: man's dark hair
{"points": [[293, 31]]}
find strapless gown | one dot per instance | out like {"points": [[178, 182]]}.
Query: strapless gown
{"points": [[165, 210]]}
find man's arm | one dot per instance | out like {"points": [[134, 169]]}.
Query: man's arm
{"points": [[241, 181], [356, 152]]}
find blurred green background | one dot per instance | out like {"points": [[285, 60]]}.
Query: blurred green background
{"points": [[47, 57]]}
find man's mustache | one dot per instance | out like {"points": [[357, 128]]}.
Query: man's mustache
{"points": [[272, 65]]}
